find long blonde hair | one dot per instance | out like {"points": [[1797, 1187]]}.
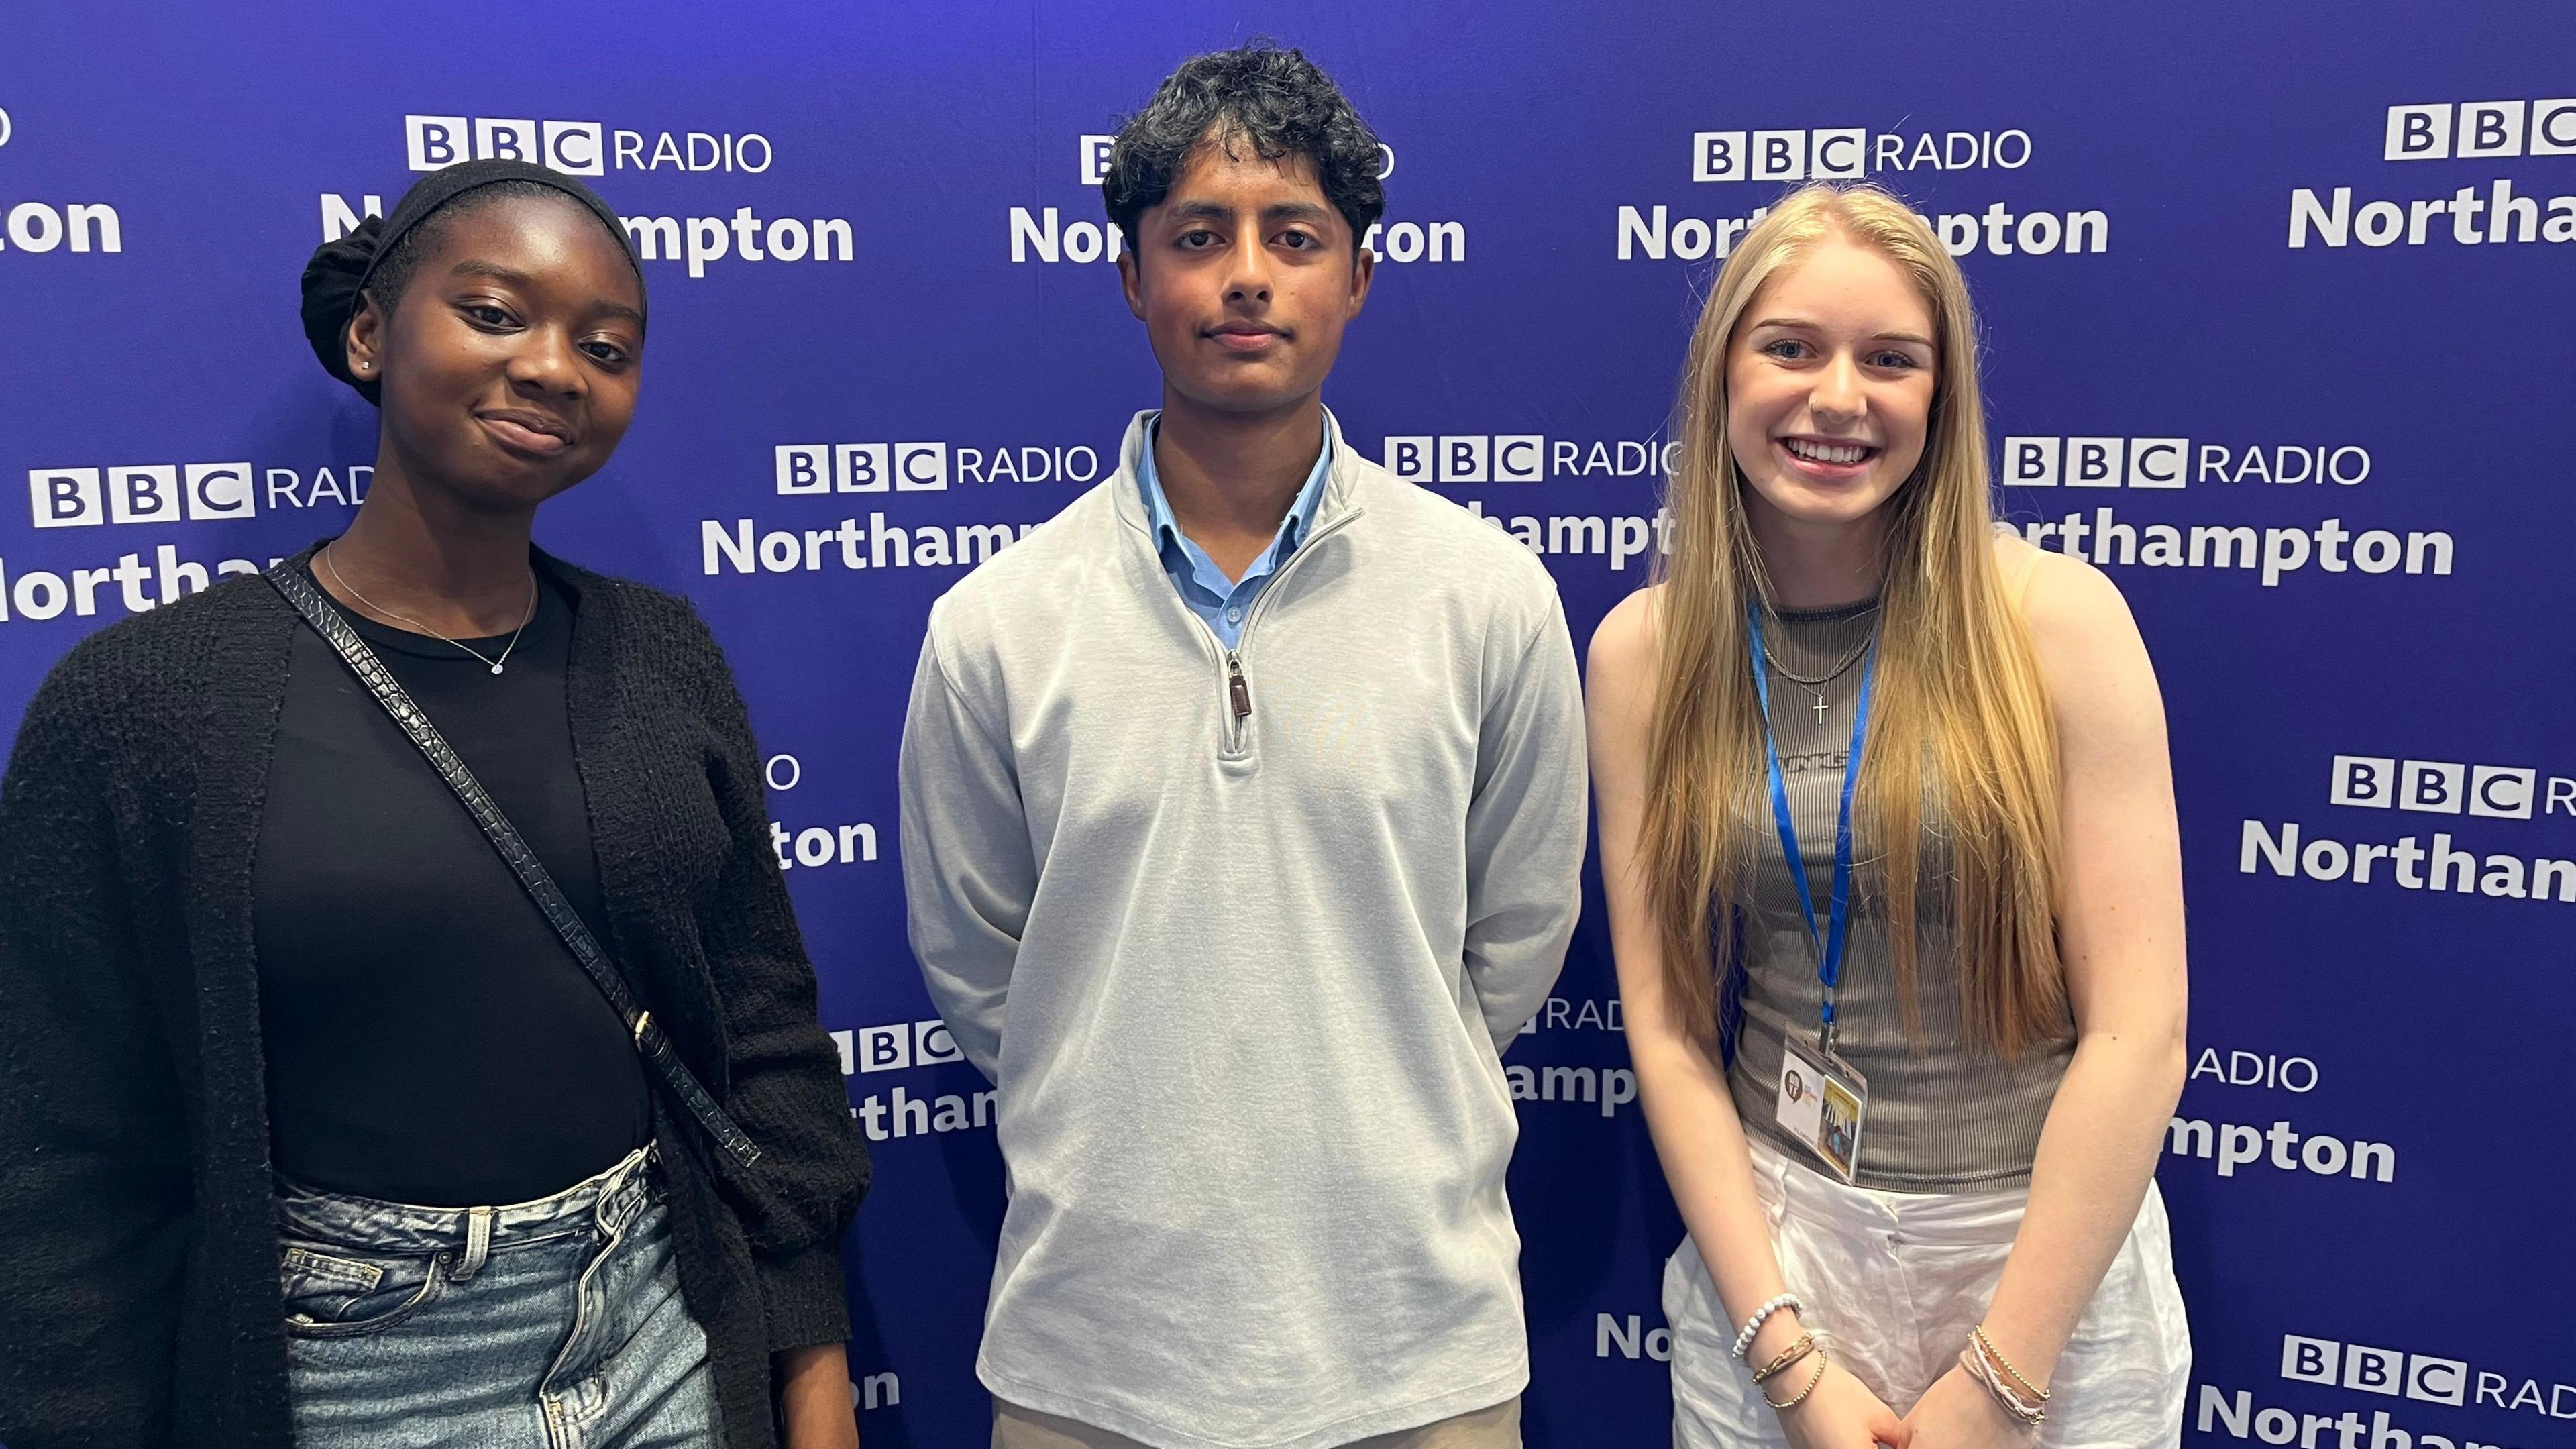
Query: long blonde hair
{"points": [[1960, 724]]}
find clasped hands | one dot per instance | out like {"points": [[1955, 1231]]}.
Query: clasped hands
{"points": [[1955, 1413]]}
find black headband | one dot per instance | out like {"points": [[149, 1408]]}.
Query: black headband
{"points": [[340, 270]]}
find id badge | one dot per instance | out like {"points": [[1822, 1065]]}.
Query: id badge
{"points": [[1822, 1099]]}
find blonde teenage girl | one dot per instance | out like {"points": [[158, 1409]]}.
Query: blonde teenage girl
{"points": [[1886, 812]]}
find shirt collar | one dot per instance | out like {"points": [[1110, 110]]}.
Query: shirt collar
{"points": [[1293, 529]]}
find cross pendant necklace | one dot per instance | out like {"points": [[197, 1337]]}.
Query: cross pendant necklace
{"points": [[1814, 686]]}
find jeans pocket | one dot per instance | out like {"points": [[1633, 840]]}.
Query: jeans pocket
{"points": [[337, 1294]]}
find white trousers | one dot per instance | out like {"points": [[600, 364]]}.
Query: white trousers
{"points": [[1892, 1282]]}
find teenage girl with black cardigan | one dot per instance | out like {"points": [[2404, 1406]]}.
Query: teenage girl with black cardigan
{"points": [[313, 1122]]}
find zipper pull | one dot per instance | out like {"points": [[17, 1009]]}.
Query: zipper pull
{"points": [[1236, 688]]}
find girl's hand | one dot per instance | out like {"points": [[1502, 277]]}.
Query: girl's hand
{"points": [[1958, 1413], [1841, 1414]]}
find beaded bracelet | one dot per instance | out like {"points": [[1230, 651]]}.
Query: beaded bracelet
{"points": [[1805, 1345], [1977, 1334], [1984, 1373], [1753, 1325], [1794, 1400]]}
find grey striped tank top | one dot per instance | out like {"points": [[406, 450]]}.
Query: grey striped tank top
{"points": [[1940, 1119]]}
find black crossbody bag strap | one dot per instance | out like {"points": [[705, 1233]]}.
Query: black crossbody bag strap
{"points": [[649, 1038]]}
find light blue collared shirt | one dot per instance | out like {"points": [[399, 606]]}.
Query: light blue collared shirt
{"points": [[1225, 603]]}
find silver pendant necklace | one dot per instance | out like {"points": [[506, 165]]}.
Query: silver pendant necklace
{"points": [[1816, 685], [334, 569]]}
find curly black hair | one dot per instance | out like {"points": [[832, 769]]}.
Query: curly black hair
{"points": [[1275, 101]]}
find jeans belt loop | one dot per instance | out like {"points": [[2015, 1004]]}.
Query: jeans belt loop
{"points": [[478, 1243]]}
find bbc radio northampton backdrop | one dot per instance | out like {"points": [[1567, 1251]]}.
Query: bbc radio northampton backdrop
{"points": [[2280, 326]]}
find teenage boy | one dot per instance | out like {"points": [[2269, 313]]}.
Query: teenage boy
{"points": [[1242, 810]]}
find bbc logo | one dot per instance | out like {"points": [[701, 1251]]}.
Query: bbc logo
{"points": [[891, 1048], [2432, 787], [2481, 128], [1473, 458], [1092, 165], [862, 468], [1841, 154], [2096, 462], [2374, 1370], [139, 493], [1095, 158], [575, 148]]}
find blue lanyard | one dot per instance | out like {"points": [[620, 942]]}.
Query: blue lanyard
{"points": [[1829, 947]]}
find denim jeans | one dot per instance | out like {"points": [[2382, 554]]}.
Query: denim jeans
{"points": [[554, 1324]]}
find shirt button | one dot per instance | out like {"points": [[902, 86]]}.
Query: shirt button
{"points": [[1234, 616]]}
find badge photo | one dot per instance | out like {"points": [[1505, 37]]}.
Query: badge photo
{"points": [[1822, 1102]]}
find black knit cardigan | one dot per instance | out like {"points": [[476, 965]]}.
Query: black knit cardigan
{"points": [[139, 1294]]}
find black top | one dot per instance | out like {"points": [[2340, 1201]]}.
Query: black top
{"points": [[139, 1301], [430, 1039]]}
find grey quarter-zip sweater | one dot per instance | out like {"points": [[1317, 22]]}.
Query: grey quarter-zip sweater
{"points": [[1239, 935]]}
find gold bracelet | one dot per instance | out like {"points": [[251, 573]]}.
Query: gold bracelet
{"points": [[1986, 1344], [1805, 1345], [2030, 1414], [1822, 1359]]}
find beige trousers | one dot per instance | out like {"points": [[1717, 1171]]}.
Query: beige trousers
{"points": [[1496, 1428]]}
